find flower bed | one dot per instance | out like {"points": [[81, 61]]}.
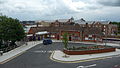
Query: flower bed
{"points": [[88, 50]]}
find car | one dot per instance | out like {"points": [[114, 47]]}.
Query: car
{"points": [[47, 41]]}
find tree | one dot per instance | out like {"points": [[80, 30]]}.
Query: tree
{"points": [[65, 40], [11, 30], [118, 24]]}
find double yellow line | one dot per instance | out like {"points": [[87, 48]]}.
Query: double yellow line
{"points": [[11, 58]]}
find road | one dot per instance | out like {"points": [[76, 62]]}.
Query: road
{"points": [[38, 57]]}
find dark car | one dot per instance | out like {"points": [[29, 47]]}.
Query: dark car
{"points": [[47, 41]]}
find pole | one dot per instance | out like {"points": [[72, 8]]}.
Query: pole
{"points": [[105, 39]]}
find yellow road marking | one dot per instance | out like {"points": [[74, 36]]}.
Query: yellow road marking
{"points": [[77, 61], [11, 58]]}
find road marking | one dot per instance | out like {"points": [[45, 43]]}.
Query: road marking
{"points": [[109, 57], [39, 47], [43, 51], [50, 51], [90, 65], [93, 65], [117, 56], [77, 61], [116, 66]]}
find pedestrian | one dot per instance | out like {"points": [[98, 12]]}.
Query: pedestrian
{"points": [[26, 43], [1, 53]]}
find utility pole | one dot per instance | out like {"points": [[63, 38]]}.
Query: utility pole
{"points": [[105, 39]]}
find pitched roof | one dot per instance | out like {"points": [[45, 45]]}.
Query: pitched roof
{"points": [[32, 30], [80, 21], [92, 30], [86, 30], [103, 22], [63, 20]]}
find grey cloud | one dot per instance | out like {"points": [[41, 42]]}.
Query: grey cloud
{"points": [[55, 9], [109, 2], [52, 8], [2, 1]]}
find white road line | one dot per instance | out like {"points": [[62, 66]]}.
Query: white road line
{"points": [[43, 51], [109, 57], [87, 66], [115, 65], [40, 47], [117, 56], [90, 65], [50, 51]]}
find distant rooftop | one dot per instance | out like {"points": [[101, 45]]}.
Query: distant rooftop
{"points": [[82, 21], [79, 21], [27, 22]]}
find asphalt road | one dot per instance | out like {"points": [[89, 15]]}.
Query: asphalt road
{"points": [[38, 57]]}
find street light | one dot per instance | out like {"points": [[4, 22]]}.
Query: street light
{"points": [[105, 39]]}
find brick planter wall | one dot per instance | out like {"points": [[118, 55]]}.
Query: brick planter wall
{"points": [[71, 52]]}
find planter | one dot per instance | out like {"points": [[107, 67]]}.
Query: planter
{"points": [[83, 52]]}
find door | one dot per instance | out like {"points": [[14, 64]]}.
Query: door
{"points": [[70, 38]]}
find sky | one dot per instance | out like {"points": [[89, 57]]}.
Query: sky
{"points": [[91, 10]]}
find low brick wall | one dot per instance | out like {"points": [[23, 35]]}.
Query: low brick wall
{"points": [[71, 52]]}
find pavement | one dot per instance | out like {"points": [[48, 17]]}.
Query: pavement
{"points": [[56, 55], [17, 51], [59, 56]]}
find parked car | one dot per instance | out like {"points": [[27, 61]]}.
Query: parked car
{"points": [[47, 41]]}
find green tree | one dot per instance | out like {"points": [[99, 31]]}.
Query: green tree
{"points": [[65, 40], [118, 24], [11, 30]]}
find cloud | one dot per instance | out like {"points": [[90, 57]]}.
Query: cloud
{"points": [[52, 9], [109, 2], [48, 7]]}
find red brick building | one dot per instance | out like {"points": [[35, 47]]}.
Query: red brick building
{"points": [[105, 26], [76, 33], [62, 22], [80, 30], [72, 35]]}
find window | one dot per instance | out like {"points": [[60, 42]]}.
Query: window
{"points": [[104, 26], [90, 35], [104, 33], [61, 36], [53, 36], [104, 30], [86, 38], [90, 38]]}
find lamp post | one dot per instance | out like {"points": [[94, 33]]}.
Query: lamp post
{"points": [[105, 39]]}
